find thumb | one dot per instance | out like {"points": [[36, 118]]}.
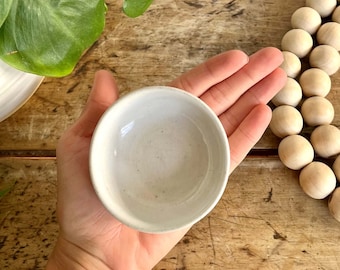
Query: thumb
{"points": [[74, 185], [104, 93]]}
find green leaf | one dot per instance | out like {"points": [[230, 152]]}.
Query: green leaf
{"points": [[135, 8], [48, 37], [5, 188], [4, 192], [5, 6]]}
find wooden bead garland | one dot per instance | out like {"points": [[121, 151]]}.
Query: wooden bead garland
{"points": [[307, 19], [323, 7], [291, 64], [295, 152], [328, 34], [334, 200], [326, 58], [317, 111], [286, 120], [336, 167], [336, 15], [326, 140], [334, 204], [317, 178], [290, 94], [297, 41], [315, 82]]}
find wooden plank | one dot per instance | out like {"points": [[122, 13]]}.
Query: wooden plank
{"points": [[172, 37], [28, 226], [263, 221]]}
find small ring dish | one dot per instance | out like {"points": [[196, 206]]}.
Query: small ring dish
{"points": [[159, 159]]}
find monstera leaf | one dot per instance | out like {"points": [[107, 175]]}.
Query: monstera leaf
{"points": [[134, 8], [5, 7], [48, 37]]}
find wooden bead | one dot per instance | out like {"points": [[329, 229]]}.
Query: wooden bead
{"points": [[334, 204], [329, 34], [295, 152], [297, 41], [336, 167], [326, 141], [336, 15], [315, 82], [317, 111], [306, 18], [286, 120], [317, 180], [290, 94], [326, 58], [291, 64], [323, 7]]}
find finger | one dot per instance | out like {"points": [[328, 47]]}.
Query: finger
{"points": [[104, 93], [261, 93], [226, 93], [211, 72], [248, 134], [74, 185]]}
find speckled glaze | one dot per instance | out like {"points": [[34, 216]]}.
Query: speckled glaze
{"points": [[159, 159]]}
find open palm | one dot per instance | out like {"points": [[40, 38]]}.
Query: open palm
{"points": [[235, 86]]}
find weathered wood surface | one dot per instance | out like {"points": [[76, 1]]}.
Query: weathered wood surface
{"points": [[28, 226], [172, 37], [263, 221]]}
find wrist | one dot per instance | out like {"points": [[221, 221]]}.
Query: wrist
{"points": [[67, 256]]}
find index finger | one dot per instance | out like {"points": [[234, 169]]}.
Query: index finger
{"points": [[223, 95], [213, 71], [103, 94]]}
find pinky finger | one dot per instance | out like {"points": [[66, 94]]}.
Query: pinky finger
{"points": [[248, 133]]}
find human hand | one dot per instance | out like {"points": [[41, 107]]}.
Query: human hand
{"points": [[235, 86]]}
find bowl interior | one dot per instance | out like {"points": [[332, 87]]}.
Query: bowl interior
{"points": [[159, 159]]}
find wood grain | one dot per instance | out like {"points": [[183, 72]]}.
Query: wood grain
{"points": [[28, 226], [263, 221], [172, 37]]}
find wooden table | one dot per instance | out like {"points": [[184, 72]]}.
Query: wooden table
{"points": [[264, 220]]}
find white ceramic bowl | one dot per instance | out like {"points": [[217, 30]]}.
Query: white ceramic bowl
{"points": [[16, 87], [159, 159]]}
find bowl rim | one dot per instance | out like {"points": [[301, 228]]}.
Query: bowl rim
{"points": [[219, 128], [19, 88]]}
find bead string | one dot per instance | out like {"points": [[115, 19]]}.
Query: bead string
{"points": [[302, 106]]}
